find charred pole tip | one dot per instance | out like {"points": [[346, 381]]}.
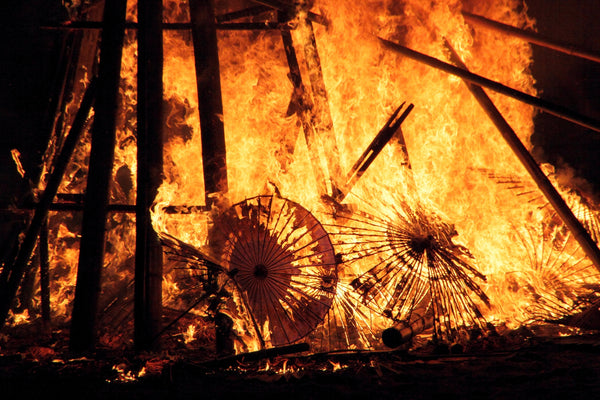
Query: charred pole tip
{"points": [[550, 108], [402, 332], [531, 37], [377, 144], [554, 198]]}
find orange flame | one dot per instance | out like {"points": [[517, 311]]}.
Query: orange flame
{"points": [[449, 139]]}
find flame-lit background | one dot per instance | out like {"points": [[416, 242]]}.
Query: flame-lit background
{"points": [[458, 158]]}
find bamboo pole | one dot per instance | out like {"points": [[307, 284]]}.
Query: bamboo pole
{"points": [[175, 26], [210, 104], [210, 107], [550, 108], [91, 254], [404, 331], [148, 250], [258, 355], [9, 287], [562, 209], [531, 37]]}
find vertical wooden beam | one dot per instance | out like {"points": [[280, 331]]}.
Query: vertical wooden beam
{"points": [[321, 112], [210, 107], [91, 254], [210, 103], [148, 253]]}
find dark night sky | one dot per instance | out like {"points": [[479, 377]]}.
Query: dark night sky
{"points": [[30, 55]]}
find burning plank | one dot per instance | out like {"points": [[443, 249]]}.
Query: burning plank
{"points": [[277, 264]]}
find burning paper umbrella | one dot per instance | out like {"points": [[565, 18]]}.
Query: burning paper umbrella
{"points": [[282, 262], [562, 281], [413, 266], [276, 259]]}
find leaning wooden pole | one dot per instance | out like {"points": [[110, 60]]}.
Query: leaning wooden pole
{"points": [[305, 108], [554, 198], [550, 108], [91, 253], [210, 103], [322, 113], [148, 250], [531, 37], [16, 271]]}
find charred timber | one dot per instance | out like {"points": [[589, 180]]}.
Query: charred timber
{"points": [[121, 208], [212, 131], [16, 271], [91, 253], [554, 198], [258, 355], [179, 26], [550, 108], [148, 250], [531, 37], [63, 84], [321, 111], [210, 103], [247, 12]]}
